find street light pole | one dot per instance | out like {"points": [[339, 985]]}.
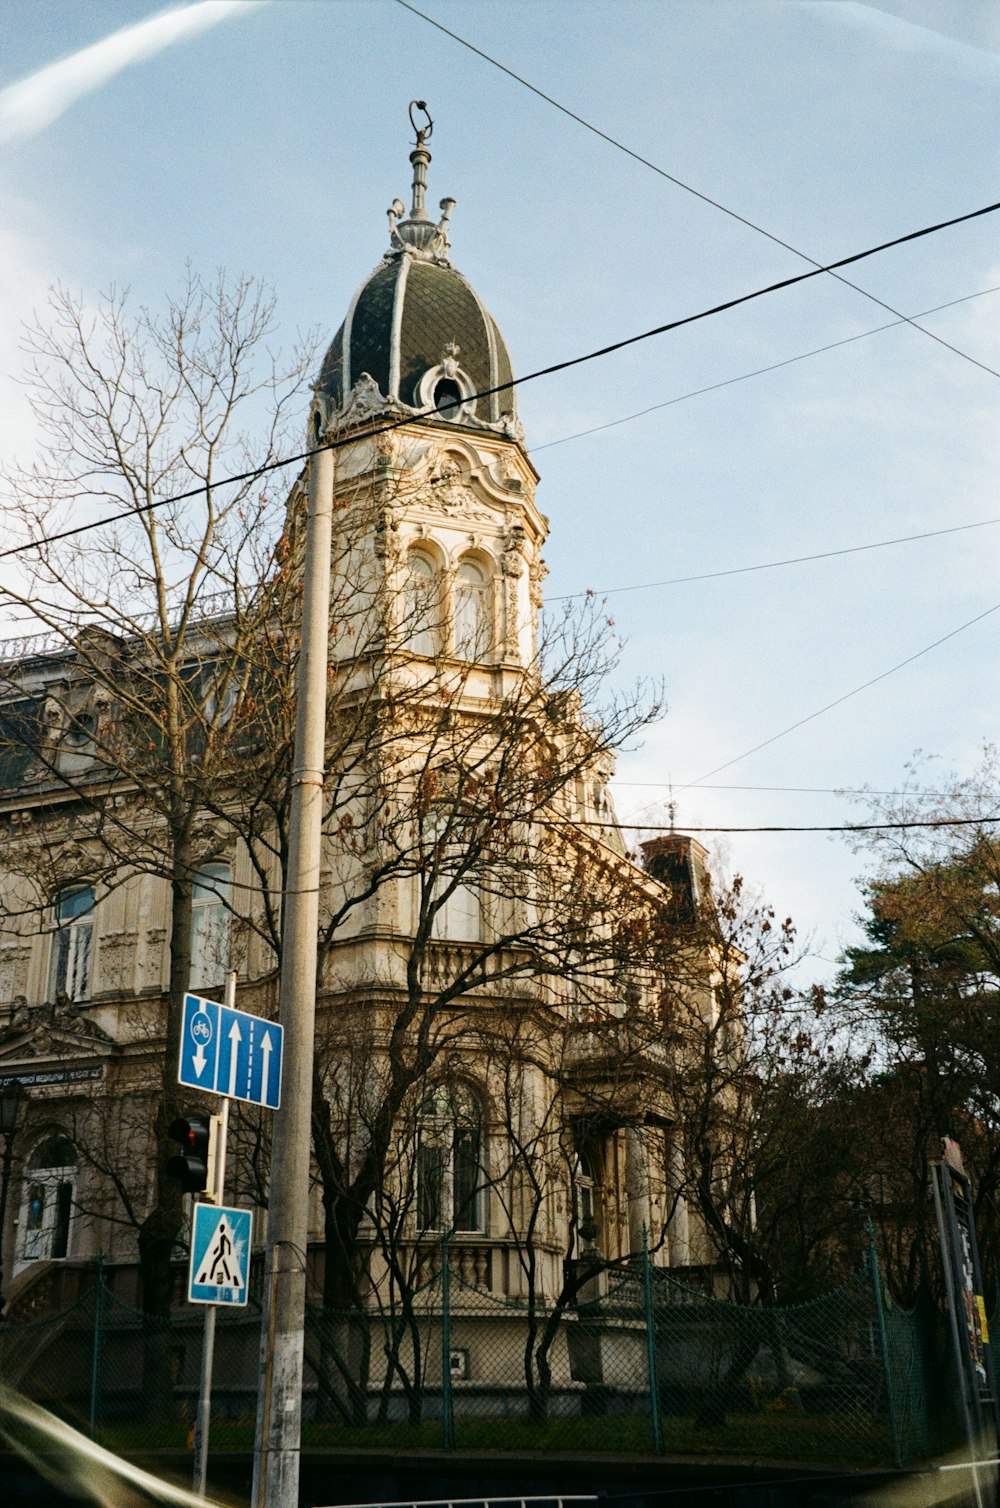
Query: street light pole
{"points": [[10, 1100], [279, 1409]]}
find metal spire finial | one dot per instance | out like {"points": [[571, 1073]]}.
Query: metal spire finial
{"points": [[419, 234], [422, 133]]}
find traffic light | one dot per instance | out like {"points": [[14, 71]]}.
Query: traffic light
{"points": [[194, 1165]]}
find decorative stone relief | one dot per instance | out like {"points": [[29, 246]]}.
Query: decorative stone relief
{"points": [[117, 961], [453, 496], [14, 961], [385, 544], [537, 572], [366, 399], [152, 971], [511, 566]]}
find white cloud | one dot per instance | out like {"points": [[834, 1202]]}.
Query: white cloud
{"points": [[33, 103], [895, 31]]}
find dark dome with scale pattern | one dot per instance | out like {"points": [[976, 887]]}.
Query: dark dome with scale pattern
{"points": [[419, 331]]}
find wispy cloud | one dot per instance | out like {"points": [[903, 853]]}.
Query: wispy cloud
{"points": [[887, 28], [35, 102]]}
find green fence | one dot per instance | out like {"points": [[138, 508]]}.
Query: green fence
{"points": [[640, 1364]]}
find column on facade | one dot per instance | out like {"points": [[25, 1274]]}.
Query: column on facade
{"points": [[678, 1222], [636, 1185]]}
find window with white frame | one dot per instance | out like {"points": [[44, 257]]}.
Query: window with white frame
{"points": [[450, 1180], [587, 1225], [459, 913], [72, 943], [47, 1202], [422, 599], [472, 611], [210, 926]]}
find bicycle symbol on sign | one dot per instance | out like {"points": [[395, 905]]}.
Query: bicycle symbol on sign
{"points": [[201, 1028]]}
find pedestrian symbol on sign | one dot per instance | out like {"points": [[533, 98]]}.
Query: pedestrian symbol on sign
{"points": [[217, 1270], [220, 1255]]}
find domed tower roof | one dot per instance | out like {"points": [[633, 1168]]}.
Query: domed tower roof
{"points": [[417, 337]]}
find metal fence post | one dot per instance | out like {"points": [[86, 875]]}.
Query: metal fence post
{"points": [[446, 1344], [883, 1340], [95, 1360], [654, 1390]]}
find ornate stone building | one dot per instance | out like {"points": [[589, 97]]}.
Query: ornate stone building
{"points": [[491, 1060]]}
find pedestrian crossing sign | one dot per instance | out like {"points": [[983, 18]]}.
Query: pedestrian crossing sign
{"points": [[220, 1255]]}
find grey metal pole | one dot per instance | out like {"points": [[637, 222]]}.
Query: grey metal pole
{"points": [[279, 1425], [875, 1278], [956, 1341], [203, 1420], [654, 1383]]}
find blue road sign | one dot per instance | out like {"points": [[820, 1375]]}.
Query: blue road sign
{"points": [[220, 1255], [230, 1052]]}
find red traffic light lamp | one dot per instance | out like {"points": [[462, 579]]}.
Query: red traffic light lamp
{"points": [[194, 1165]]}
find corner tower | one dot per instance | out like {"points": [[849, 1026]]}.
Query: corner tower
{"points": [[416, 393]]}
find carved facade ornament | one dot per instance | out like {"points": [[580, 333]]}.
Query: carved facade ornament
{"points": [[537, 572], [452, 493], [365, 399]]}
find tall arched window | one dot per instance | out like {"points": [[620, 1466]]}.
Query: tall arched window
{"points": [[209, 926], [450, 1181], [422, 604], [47, 1205], [472, 611], [71, 945], [587, 1224]]}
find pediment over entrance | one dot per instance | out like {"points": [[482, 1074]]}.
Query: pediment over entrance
{"points": [[34, 1051]]}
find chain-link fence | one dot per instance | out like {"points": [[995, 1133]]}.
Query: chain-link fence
{"points": [[638, 1363]]}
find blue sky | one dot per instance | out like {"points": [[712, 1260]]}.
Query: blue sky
{"points": [[270, 139]]}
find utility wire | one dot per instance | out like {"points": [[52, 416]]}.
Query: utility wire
{"points": [[687, 187], [840, 827], [775, 366], [838, 701], [772, 565], [503, 387], [795, 790]]}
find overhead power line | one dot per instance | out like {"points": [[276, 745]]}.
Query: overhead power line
{"points": [[838, 701], [774, 366], [502, 387], [786, 790], [773, 565], [687, 187], [838, 827]]}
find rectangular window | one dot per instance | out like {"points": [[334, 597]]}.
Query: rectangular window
{"points": [[467, 1179], [449, 1178], [430, 1185], [210, 926], [460, 916], [71, 948]]}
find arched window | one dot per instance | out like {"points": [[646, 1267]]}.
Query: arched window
{"points": [[450, 1181], [422, 604], [72, 944], [47, 1204], [209, 926], [472, 611]]}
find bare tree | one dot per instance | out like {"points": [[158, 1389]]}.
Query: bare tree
{"points": [[130, 703]]}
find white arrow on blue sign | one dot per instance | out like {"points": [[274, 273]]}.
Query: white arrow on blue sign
{"points": [[220, 1255], [230, 1052]]}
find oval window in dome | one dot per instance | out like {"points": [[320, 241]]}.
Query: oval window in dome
{"points": [[448, 398]]}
